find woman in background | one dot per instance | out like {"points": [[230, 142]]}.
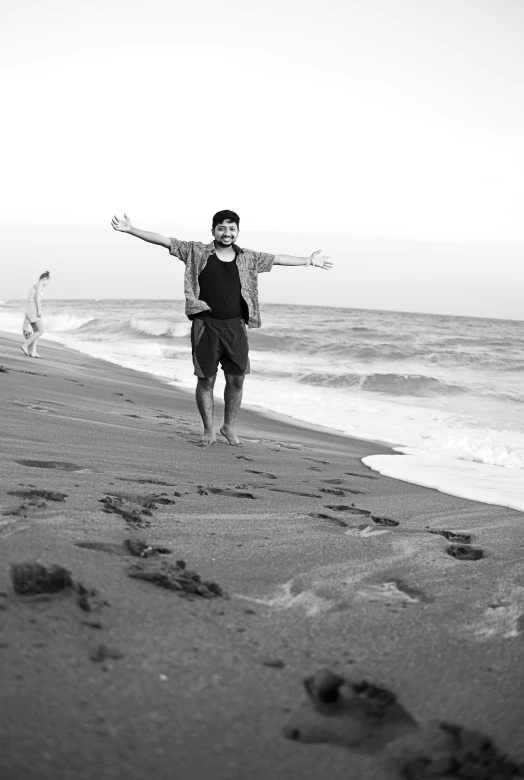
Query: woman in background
{"points": [[33, 312]]}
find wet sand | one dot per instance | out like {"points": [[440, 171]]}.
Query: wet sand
{"points": [[306, 560]]}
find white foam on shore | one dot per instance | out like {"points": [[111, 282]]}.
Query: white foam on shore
{"points": [[464, 479]]}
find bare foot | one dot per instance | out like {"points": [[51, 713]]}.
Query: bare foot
{"points": [[231, 436], [24, 350], [208, 437], [35, 355]]}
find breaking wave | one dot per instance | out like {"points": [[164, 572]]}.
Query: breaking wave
{"points": [[390, 384]]}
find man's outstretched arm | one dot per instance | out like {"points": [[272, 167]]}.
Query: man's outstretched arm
{"points": [[125, 226], [316, 258]]}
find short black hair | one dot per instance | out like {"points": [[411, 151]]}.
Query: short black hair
{"points": [[226, 216]]}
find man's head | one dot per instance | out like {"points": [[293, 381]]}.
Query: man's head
{"points": [[225, 227]]}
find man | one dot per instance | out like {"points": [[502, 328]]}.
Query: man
{"points": [[221, 289]]}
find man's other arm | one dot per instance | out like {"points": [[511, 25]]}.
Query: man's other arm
{"points": [[316, 258], [125, 226]]}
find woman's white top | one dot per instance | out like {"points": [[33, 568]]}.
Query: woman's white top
{"points": [[31, 305]]}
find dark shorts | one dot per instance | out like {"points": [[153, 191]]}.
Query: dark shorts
{"points": [[219, 341]]}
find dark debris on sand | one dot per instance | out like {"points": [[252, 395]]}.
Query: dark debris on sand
{"points": [[103, 653], [48, 495], [464, 553], [470, 755], [452, 536], [4, 370], [84, 596], [151, 501], [175, 577], [385, 522], [30, 578], [143, 550], [118, 506]]}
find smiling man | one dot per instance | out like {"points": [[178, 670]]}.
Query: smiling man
{"points": [[221, 289]]}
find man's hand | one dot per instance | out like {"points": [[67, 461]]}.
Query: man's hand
{"points": [[321, 261], [123, 225]]}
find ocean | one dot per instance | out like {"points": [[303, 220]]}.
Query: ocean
{"points": [[447, 393]]}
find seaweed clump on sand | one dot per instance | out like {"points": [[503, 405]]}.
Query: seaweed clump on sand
{"points": [[176, 577], [32, 578]]}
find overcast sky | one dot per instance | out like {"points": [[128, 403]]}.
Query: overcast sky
{"points": [[396, 119]]}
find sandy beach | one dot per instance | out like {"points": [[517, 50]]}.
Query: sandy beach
{"points": [[308, 561]]}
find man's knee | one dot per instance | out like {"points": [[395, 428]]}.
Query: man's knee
{"points": [[206, 384], [234, 381]]}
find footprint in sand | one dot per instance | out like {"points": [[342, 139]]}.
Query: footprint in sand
{"points": [[47, 495], [205, 490], [345, 508], [103, 653], [370, 719], [128, 510], [316, 460], [335, 520], [134, 547], [385, 522], [243, 457], [293, 492], [463, 537], [261, 473], [176, 577], [145, 481], [462, 553], [341, 491], [349, 714], [51, 464]]}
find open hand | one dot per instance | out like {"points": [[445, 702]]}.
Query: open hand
{"points": [[123, 225], [321, 261]]}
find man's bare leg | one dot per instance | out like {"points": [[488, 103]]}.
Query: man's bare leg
{"points": [[204, 399], [232, 401]]}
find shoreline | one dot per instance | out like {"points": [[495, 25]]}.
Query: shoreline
{"points": [[326, 564], [277, 416], [414, 470]]}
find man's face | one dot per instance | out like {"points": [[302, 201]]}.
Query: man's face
{"points": [[225, 234]]}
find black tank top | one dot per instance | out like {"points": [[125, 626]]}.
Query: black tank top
{"points": [[220, 289]]}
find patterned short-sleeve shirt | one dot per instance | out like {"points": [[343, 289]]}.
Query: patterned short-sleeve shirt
{"points": [[249, 263]]}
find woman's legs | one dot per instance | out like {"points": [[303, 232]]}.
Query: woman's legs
{"points": [[30, 345]]}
